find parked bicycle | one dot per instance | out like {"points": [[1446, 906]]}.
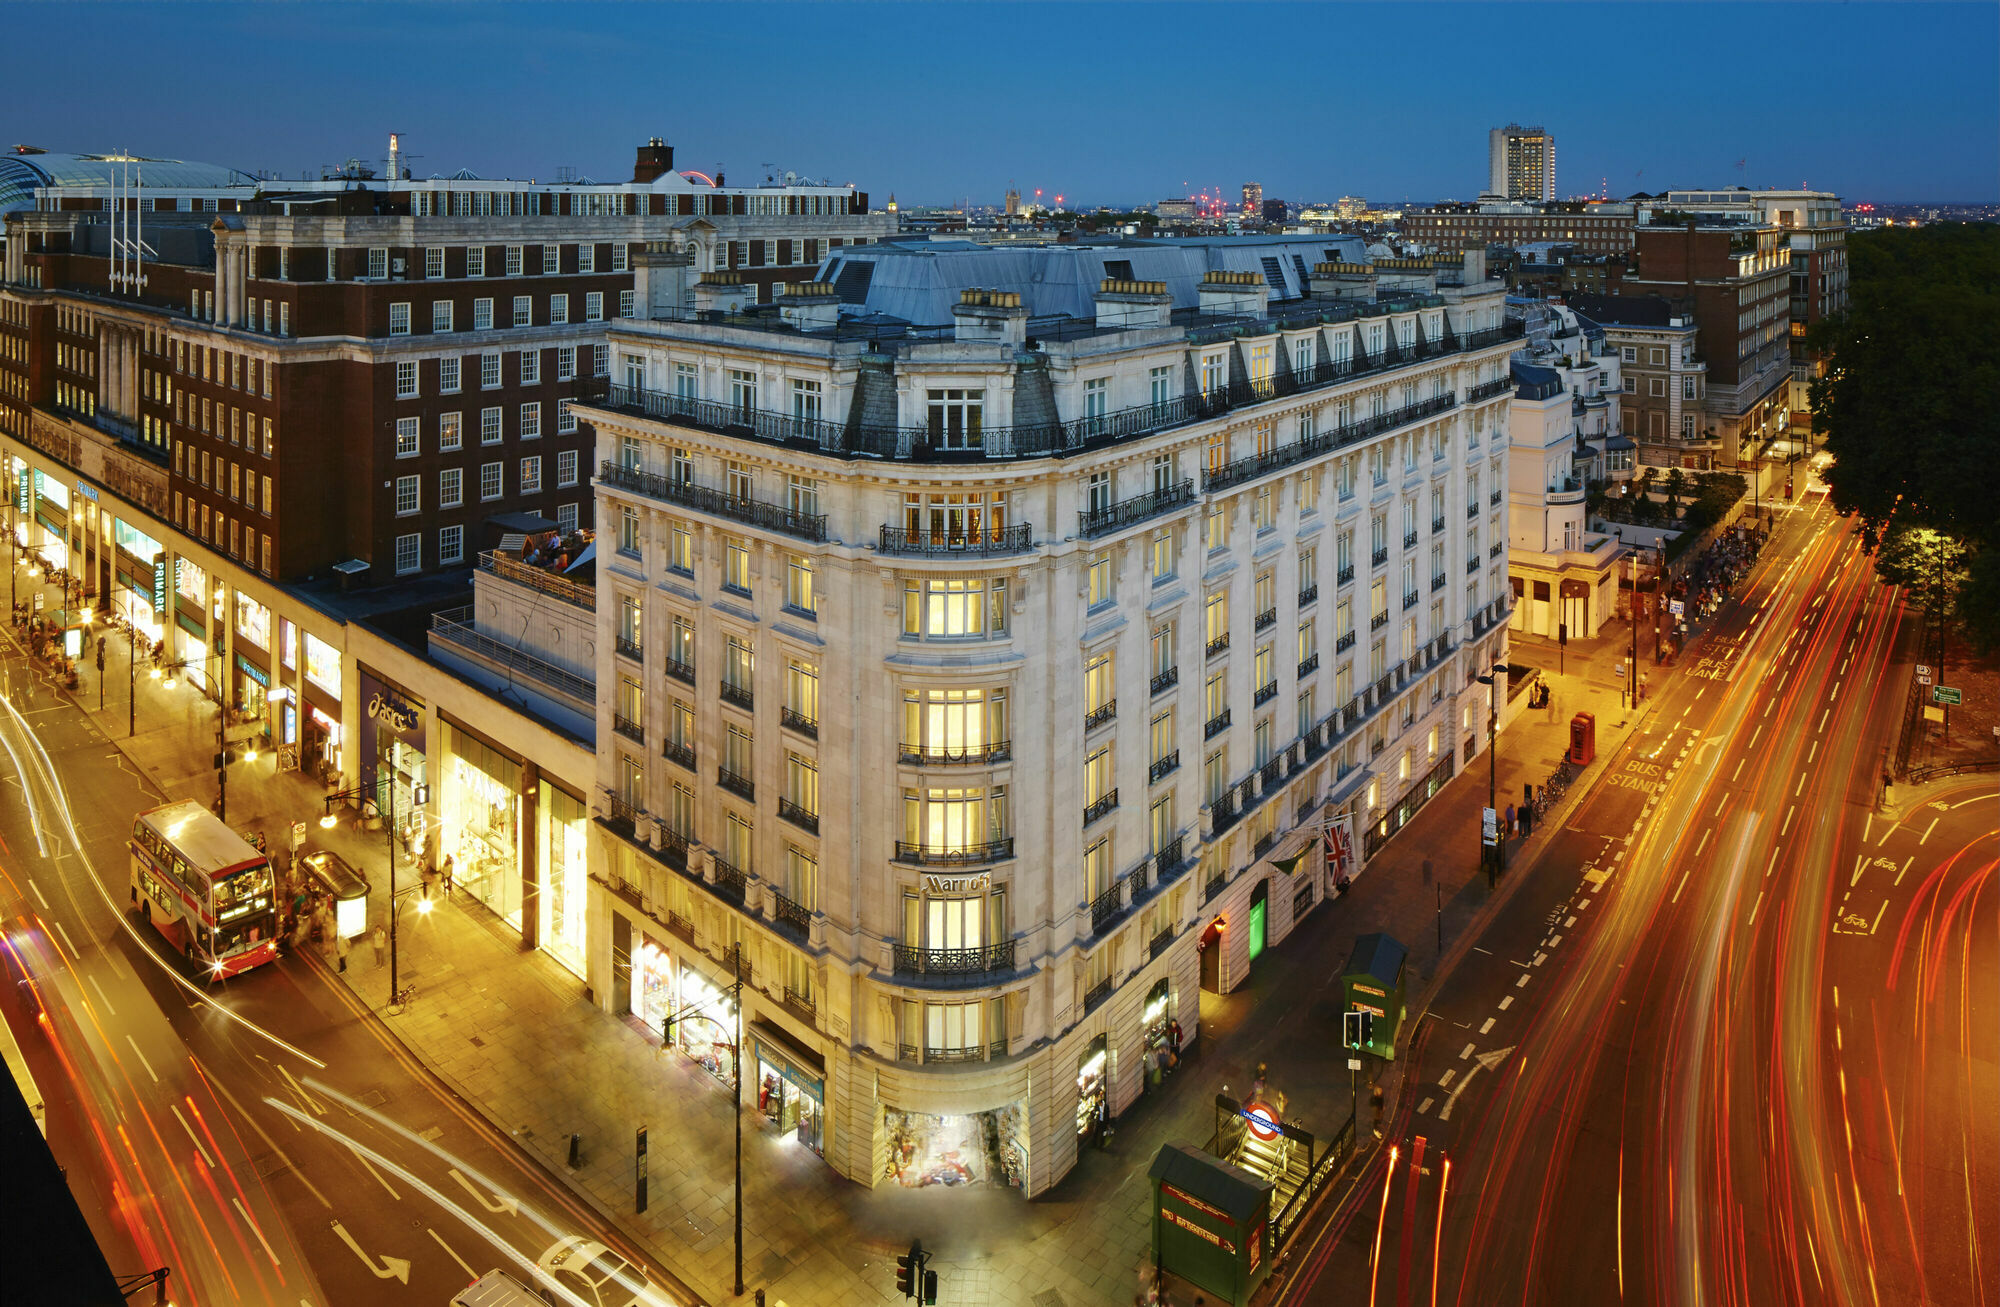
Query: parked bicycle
{"points": [[400, 1000]]}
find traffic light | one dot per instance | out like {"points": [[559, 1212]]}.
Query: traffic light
{"points": [[930, 1287], [910, 1270], [1357, 1029]]}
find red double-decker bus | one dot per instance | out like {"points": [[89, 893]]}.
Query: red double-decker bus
{"points": [[206, 889]]}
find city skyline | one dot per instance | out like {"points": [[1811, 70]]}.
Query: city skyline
{"points": [[1921, 133]]}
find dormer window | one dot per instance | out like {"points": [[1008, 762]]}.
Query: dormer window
{"points": [[957, 418]]}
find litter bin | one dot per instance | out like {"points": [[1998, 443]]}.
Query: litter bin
{"points": [[330, 874], [1583, 738]]}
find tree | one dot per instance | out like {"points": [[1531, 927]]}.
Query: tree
{"points": [[1676, 485], [1930, 566]]}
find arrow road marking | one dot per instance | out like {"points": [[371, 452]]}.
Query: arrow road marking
{"points": [[1488, 1061], [507, 1204], [392, 1268]]}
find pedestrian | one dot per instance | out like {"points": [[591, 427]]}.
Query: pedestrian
{"points": [[381, 941], [447, 872], [341, 945], [1257, 1085], [1152, 1066], [429, 876], [1375, 1104], [1174, 1040], [1510, 819]]}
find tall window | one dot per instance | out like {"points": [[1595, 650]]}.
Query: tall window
{"points": [[802, 690], [952, 724], [1099, 688], [943, 608], [957, 418], [743, 391], [736, 564], [799, 593], [955, 819]]}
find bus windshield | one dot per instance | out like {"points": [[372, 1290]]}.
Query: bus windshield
{"points": [[246, 892]]}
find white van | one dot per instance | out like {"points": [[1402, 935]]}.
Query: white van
{"points": [[496, 1289]]}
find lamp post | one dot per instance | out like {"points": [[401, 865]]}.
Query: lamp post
{"points": [[1491, 680]]}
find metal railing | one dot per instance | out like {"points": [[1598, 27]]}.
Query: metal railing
{"points": [[741, 786], [1437, 582], [1215, 725], [1265, 693], [628, 728], [730, 883], [1379, 557], [675, 751], [918, 755], [792, 915], [1344, 643], [1096, 994], [1104, 908], [1409, 600], [1269, 617], [969, 855], [972, 544], [1129, 512], [1307, 595], [1488, 389], [680, 671], [1309, 666], [1166, 680], [1165, 765], [1099, 715], [1378, 621], [1256, 465], [1218, 644], [454, 627], [549, 583], [792, 719], [1104, 804], [1409, 539], [958, 962], [798, 815], [1345, 575], [630, 648], [717, 503], [740, 695]]}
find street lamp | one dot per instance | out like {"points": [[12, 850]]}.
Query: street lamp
{"points": [[1492, 681], [360, 795]]}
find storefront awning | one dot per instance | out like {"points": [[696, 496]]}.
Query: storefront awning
{"points": [[806, 1068]]}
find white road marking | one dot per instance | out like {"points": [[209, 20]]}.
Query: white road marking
{"points": [[304, 1097], [1425, 1106], [259, 1232], [1467, 1053], [1813, 752], [1878, 916], [1683, 885], [1906, 867], [1487, 1061], [1446, 1078], [1555, 940], [142, 1058], [1754, 734], [190, 1134], [1487, 1024], [1753, 907], [1867, 824], [1772, 865], [1581, 904], [391, 1268], [1522, 983], [1788, 819], [1739, 770], [1768, 705], [504, 1203], [454, 1256], [1822, 719], [1568, 922], [74, 955], [1506, 1002], [38, 894], [1538, 960], [1800, 787], [1926, 836], [101, 994]]}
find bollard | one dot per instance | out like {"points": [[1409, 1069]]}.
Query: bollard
{"points": [[575, 1151]]}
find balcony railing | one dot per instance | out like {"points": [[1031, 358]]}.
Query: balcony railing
{"points": [[1104, 908], [740, 786], [1099, 715], [791, 915], [1409, 539], [680, 671], [717, 503], [1273, 771], [1493, 550], [1256, 465], [675, 751], [1437, 582], [1165, 765], [1345, 576], [1218, 644], [1344, 643], [1379, 557], [1095, 522], [1472, 565], [1488, 389], [628, 728], [1161, 942], [918, 755], [1265, 693], [1409, 600], [454, 627], [798, 816], [1309, 666], [1493, 499], [967, 855], [740, 695], [630, 649], [962, 963], [1168, 860], [1269, 617], [970, 544], [624, 816], [1103, 805], [1097, 994], [1378, 621], [1166, 680], [730, 883], [549, 583], [1437, 525], [793, 720], [1216, 725], [1216, 884], [1307, 595]]}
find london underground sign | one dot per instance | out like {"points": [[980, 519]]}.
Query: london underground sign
{"points": [[1262, 1120]]}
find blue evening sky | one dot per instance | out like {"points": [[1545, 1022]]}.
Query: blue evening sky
{"points": [[1102, 103]]}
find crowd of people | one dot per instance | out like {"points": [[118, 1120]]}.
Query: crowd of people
{"points": [[1714, 573]]}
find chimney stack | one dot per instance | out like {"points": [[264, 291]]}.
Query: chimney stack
{"points": [[656, 160], [723, 292], [809, 305], [1122, 303], [395, 156], [660, 280], [990, 316], [1233, 294], [1342, 281]]}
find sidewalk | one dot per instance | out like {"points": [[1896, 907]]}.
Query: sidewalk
{"points": [[512, 1033]]}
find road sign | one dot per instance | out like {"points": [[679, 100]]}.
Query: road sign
{"points": [[1489, 826], [1619, 671], [1676, 607], [1262, 1120], [1924, 677], [1947, 694], [1923, 671]]}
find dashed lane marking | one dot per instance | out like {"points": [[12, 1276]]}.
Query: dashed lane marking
{"points": [[1786, 828], [1922, 839], [1522, 983], [1467, 1053], [1445, 1080], [1487, 1025], [1506, 1002], [1538, 959], [1568, 922], [1906, 867], [1425, 1106]]}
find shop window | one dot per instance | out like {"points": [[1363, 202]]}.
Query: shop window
{"points": [[479, 820]]}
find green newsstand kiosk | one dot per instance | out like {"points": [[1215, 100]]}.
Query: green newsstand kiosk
{"points": [[1374, 983], [1211, 1222]]}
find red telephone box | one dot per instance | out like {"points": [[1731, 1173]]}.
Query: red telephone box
{"points": [[1583, 738]]}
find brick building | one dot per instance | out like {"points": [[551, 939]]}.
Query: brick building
{"points": [[1590, 228]]}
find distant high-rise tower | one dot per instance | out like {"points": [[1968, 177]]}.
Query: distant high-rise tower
{"points": [[1013, 202], [1521, 163], [1253, 202]]}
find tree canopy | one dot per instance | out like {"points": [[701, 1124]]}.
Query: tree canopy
{"points": [[1907, 406]]}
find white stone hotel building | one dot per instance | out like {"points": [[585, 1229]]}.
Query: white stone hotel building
{"points": [[990, 633]]}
